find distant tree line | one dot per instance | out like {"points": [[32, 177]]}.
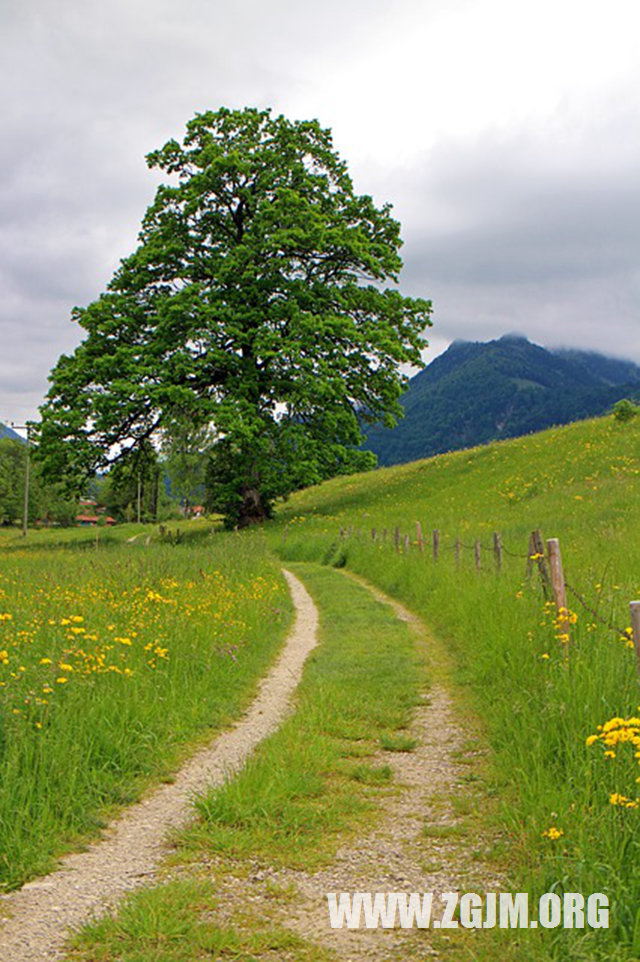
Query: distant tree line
{"points": [[47, 501], [153, 482], [186, 469]]}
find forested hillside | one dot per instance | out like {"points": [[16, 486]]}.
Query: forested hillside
{"points": [[479, 392]]}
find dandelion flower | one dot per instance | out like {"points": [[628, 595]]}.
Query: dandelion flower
{"points": [[553, 833]]}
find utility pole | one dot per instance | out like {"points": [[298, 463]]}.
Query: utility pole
{"points": [[25, 509]]}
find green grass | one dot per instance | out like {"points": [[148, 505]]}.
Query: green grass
{"points": [[581, 484], [302, 787], [114, 660], [302, 792], [314, 782], [171, 923], [397, 743]]}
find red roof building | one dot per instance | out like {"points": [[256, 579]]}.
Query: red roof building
{"points": [[89, 520]]}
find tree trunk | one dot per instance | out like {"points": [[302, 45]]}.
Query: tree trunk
{"points": [[155, 483], [253, 510]]}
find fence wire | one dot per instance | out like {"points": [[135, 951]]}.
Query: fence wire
{"points": [[457, 545], [623, 632], [516, 554]]}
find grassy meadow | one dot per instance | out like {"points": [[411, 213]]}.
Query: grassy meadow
{"points": [[566, 790], [115, 658]]}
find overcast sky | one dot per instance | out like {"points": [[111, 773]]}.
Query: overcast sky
{"points": [[505, 133]]}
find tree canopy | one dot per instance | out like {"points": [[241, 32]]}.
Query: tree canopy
{"points": [[255, 304]]}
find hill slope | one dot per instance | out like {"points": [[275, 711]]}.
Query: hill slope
{"points": [[477, 392], [9, 434], [569, 811]]}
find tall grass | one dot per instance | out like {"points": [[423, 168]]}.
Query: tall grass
{"points": [[305, 788], [112, 661], [540, 698]]}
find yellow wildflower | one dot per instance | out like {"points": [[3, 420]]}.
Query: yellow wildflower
{"points": [[553, 833], [622, 800]]}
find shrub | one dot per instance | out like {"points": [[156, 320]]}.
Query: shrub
{"points": [[625, 410]]}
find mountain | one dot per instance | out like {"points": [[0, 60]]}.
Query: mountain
{"points": [[609, 370], [9, 433], [479, 392]]}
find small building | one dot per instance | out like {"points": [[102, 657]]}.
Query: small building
{"points": [[91, 520]]}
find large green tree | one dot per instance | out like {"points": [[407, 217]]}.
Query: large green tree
{"points": [[255, 300]]}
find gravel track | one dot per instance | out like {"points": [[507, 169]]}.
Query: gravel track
{"points": [[391, 854], [39, 917]]}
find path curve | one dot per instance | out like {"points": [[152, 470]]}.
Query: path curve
{"points": [[42, 912], [391, 853]]}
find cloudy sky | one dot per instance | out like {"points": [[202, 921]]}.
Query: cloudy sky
{"points": [[506, 134]]}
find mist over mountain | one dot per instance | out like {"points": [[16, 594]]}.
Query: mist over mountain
{"points": [[478, 392]]}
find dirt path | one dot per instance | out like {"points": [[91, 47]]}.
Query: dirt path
{"points": [[40, 914], [395, 855]]}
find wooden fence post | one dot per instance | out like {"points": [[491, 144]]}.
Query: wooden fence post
{"points": [[476, 551], [536, 548], [396, 537], [406, 544], [436, 544], [374, 534], [497, 550], [419, 536], [457, 552], [635, 624], [557, 582]]}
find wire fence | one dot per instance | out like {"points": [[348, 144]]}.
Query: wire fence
{"points": [[603, 622], [544, 555]]}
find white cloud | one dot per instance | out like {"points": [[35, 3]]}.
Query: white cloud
{"points": [[506, 135]]}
